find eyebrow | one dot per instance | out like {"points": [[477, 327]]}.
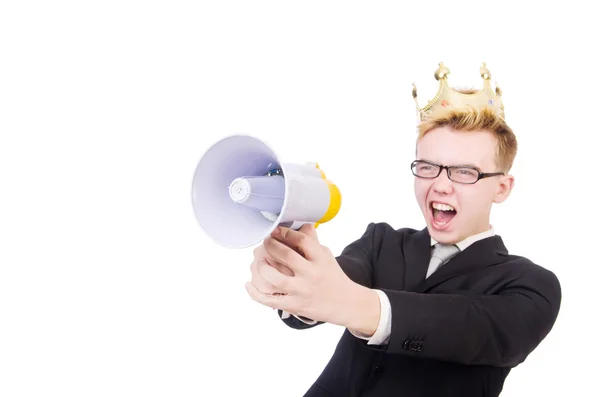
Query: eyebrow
{"points": [[467, 165], [455, 165]]}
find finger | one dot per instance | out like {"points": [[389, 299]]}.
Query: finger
{"points": [[274, 301], [309, 230], [281, 282], [280, 267], [261, 254], [308, 246], [285, 255], [263, 286], [258, 280]]}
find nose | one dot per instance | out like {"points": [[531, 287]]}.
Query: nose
{"points": [[442, 184]]}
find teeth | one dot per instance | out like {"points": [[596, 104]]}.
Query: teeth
{"points": [[442, 207]]}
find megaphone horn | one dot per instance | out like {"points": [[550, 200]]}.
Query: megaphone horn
{"points": [[241, 192]]}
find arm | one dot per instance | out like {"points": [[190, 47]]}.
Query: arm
{"points": [[499, 330]]}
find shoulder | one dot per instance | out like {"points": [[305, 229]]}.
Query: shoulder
{"points": [[377, 235], [384, 229], [374, 234], [534, 273], [524, 262], [385, 234]]}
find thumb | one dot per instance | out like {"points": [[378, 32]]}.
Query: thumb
{"points": [[309, 230]]}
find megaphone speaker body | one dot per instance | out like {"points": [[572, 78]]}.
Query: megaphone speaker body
{"points": [[242, 191]]}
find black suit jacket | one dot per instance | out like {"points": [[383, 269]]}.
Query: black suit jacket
{"points": [[457, 333]]}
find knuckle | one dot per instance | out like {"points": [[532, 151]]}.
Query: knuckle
{"points": [[281, 283], [302, 239], [266, 248], [278, 285], [313, 274], [261, 268], [256, 265], [267, 289], [263, 286], [259, 251], [261, 262]]}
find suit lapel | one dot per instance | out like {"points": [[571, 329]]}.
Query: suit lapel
{"points": [[417, 253], [483, 253]]}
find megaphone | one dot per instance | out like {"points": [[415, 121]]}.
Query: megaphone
{"points": [[242, 191]]}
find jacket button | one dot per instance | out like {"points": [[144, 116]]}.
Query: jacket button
{"points": [[378, 370], [413, 345], [406, 345]]}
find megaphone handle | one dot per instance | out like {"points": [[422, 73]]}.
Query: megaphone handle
{"points": [[295, 226], [298, 224]]}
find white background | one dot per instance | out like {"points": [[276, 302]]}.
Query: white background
{"points": [[108, 286]]}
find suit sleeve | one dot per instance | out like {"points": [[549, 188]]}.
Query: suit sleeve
{"points": [[497, 330], [357, 263]]}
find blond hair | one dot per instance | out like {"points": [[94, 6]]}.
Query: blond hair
{"points": [[474, 119]]}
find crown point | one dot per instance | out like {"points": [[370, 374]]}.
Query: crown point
{"points": [[498, 90], [442, 72], [414, 91], [484, 71]]}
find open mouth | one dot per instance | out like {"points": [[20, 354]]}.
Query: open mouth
{"points": [[442, 214]]}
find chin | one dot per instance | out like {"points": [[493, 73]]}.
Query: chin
{"points": [[444, 237]]}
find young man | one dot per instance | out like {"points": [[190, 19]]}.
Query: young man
{"points": [[442, 311]]}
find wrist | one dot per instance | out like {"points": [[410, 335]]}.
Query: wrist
{"points": [[365, 311]]}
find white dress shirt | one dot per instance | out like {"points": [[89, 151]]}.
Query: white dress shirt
{"points": [[384, 328]]}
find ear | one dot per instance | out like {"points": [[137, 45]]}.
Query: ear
{"points": [[505, 186]]}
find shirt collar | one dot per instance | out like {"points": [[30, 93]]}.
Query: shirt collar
{"points": [[462, 245]]}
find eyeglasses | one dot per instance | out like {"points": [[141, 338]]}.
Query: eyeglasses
{"points": [[460, 174]]}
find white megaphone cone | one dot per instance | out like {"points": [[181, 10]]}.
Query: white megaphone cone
{"points": [[242, 191]]}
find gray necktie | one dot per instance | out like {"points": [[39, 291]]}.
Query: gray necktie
{"points": [[441, 254]]}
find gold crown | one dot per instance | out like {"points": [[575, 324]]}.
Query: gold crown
{"points": [[449, 98]]}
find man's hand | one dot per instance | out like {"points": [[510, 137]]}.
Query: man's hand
{"points": [[262, 259], [260, 265], [317, 287]]}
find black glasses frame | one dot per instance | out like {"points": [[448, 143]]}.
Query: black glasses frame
{"points": [[480, 174]]}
